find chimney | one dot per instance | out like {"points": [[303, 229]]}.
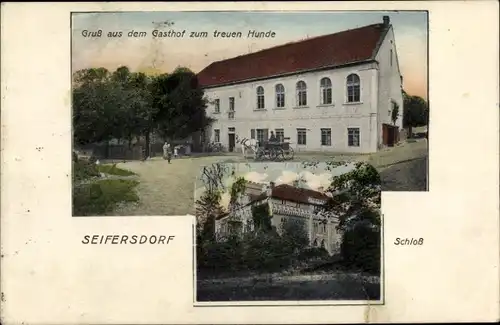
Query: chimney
{"points": [[387, 21]]}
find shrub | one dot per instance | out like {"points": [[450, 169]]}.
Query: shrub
{"points": [[102, 196], [313, 253], [83, 170], [113, 170], [361, 249]]}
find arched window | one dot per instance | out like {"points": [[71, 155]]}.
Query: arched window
{"points": [[260, 97], [353, 88], [301, 93], [326, 91], [280, 96]]}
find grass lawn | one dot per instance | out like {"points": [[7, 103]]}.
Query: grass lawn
{"points": [[344, 289], [113, 170], [102, 196]]}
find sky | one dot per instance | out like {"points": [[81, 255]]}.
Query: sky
{"points": [[317, 178], [149, 54]]}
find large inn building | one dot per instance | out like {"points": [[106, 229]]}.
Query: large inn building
{"points": [[329, 93]]}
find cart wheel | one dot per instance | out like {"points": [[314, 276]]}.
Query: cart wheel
{"points": [[280, 154], [259, 154], [289, 154]]}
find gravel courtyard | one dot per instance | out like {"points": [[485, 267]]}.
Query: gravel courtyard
{"points": [[168, 189]]}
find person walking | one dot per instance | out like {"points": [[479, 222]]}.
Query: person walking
{"points": [[167, 153]]}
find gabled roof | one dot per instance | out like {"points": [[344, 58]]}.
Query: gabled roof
{"points": [[333, 50], [287, 192], [296, 194]]}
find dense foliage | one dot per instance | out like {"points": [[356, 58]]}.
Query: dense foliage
{"points": [[354, 203], [415, 112], [126, 105]]}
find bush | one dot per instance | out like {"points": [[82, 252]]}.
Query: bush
{"points": [[83, 170], [313, 253], [102, 196], [361, 249], [113, 170]]}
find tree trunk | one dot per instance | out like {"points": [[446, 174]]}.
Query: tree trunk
{"points": [[147, 149], [410, 132], [106, 151]]}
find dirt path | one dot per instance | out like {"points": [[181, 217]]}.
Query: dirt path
{"points": [[166, 189]]}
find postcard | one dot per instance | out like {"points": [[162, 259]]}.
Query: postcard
{"points": [[249, 162]]}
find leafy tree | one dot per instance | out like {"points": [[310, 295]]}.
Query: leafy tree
{"points": [[208, 208], [294, 234], [97, 107], [261, 217], [355, 201], [179, 104], [415, 112], [394, 113]]}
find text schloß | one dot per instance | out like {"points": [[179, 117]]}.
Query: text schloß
{"points": [[127, 239], [409, 241]]}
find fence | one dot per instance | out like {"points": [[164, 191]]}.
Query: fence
{"points": [[124, 152]]}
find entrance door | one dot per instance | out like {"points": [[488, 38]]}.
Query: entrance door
{"points": [[232, 142], [390, 134]]}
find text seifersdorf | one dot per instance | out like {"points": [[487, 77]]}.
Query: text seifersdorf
{"points": [[127, 239]]}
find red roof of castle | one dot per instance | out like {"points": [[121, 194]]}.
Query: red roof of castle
{"points": [[296, 194], [350, 46], [291, 193]]}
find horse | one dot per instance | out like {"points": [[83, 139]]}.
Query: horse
{"points": [[247, 144]]}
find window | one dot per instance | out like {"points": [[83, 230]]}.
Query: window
{"points": [[301, 93], [280, 96], [353, 137], [217, 105], [280, 134], [260, 97], [231, 104], [353, 88], [391, 57], [326, 137], [252, 134], [216, 135], [326, 91], [262, 135], [301, 136]]}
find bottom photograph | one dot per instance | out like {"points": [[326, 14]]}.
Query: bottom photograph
{"points": [[288, 232]]}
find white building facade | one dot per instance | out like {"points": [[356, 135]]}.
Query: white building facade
{"points": [[337, 108]]}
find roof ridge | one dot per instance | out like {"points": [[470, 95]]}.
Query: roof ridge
{"points": [[292, 43]]}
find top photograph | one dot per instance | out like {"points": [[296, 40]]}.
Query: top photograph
{"points": [[158, 95]]}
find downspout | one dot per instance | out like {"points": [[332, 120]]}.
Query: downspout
{"points": [[375, 112]]}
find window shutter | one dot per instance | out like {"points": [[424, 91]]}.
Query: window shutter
{"points": [[252, 133]]}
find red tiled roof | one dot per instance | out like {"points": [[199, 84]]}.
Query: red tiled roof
{"points": [[296, 194], [350, 46]]}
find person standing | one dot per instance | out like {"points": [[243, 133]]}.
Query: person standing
{"points": [[167, 154]]}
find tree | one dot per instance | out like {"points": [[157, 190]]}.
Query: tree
{"points": [[97, 106], [110, 105], [394, 112], [179, 103], [294, 234], [415, 112], [355, 201]]}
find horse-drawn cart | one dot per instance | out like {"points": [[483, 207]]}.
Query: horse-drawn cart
{"points": [[274, 151]]}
